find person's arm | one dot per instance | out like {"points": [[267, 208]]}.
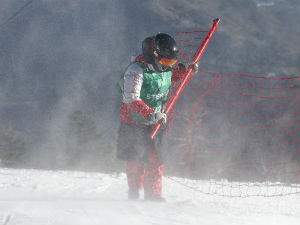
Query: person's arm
{"points": [[133, 80], [179, 71]]}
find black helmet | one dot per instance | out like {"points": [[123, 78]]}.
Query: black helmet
{"points": [[160, 47], [165, 46]]}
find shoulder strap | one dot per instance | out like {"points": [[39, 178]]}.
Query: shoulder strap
{"points": [[119, 85]]}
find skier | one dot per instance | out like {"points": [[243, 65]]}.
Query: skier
{"points": [[145, 86]]}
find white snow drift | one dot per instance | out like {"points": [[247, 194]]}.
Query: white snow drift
{"points": [[60, 197]]}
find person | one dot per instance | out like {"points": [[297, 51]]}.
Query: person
{"points": [[145, 86]]}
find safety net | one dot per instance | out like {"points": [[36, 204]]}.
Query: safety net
{"points": [[234, 135]]}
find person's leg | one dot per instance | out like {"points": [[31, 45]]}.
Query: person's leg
{"points": [[153, 177], [135, 178]]}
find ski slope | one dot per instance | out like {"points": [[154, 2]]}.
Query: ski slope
{"points": [[37, 197]]}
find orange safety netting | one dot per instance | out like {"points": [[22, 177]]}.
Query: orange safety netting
{"points": [[239, 132]]}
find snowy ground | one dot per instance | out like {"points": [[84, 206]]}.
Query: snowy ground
{"points": [[60, 197]]}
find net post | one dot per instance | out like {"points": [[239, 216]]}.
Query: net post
{"points": [[187, 74]]}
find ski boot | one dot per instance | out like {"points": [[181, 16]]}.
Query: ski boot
{"points": [[154, 198], [133, 194]]}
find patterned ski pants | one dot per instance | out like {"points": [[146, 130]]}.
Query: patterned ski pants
{"points": [[148, 176]]}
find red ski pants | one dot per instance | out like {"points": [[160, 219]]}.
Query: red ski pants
{"points": [[148, 176]]}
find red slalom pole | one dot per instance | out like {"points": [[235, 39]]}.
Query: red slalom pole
{"points": [[188, 73]]}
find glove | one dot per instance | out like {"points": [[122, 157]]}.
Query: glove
{"points": [[194, 67], [159, 117], [182, 67]]}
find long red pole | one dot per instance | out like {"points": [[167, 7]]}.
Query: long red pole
{"points": [[187, 74]]}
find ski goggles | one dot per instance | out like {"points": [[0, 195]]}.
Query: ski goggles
{"points": [[166, 61]]}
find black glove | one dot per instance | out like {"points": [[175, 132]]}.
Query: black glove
{"points": [[160, 117], [182, 67]]}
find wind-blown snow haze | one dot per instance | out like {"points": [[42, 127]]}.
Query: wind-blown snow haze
{"points": [[59, 111]]}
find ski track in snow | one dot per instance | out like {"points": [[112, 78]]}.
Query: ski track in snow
{"points": [[70, 197]]}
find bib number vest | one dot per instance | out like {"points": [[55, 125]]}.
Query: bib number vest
{"points": [[154, 91]]}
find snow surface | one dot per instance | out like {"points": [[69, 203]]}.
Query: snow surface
{"points": [[67, 197]]}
